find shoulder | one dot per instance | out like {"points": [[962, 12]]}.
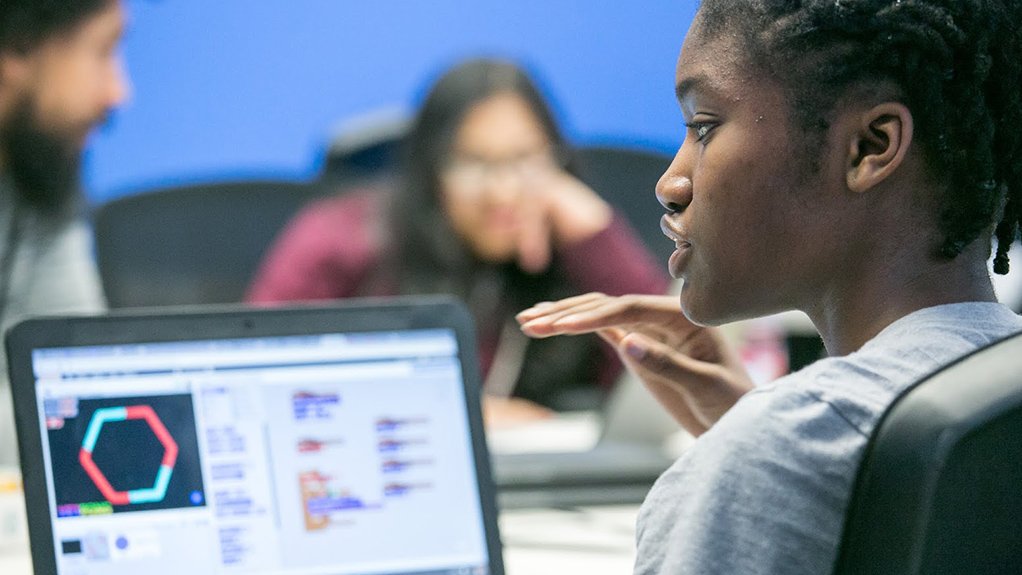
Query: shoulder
{"points": [[350, 208], [326, 251], [344, 224], [762, 492], [791, 420], [782, 461], [48, 236], [338, 233], [861, 385], [826, 411], [55, 248]]}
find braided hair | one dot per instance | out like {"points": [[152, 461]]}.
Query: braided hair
{"points": [[956, 64]]}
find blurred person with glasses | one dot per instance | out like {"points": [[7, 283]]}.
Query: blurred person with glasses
{"points": [[488, 207]]}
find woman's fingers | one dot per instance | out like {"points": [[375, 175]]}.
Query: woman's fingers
{"points": [[645, 358], [654, 357], [688, 368], [696, 393], [540, 320], [674, 401], [612, 335], [593, 312], [548, 307]]}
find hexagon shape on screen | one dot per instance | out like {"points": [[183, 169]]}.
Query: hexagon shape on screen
{"points": [[110, 414]]}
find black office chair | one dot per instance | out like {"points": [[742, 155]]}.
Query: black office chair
{"points": [[366, 150], [192, 244], [626, 178], [940, 488]]}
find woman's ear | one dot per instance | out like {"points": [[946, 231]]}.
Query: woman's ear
{"points": [[879, 145]]}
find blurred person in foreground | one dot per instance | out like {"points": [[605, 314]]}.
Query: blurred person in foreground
{"points": [[60, 75]]}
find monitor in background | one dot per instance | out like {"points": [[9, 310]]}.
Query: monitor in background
{"points": [[333, 440]]}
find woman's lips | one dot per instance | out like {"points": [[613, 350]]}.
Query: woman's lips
{"points": [[679, 259]]}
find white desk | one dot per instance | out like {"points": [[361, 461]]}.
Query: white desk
{"points": [[594, 540], [591, 540], [14, 558], [15, 561], [575, 431]]}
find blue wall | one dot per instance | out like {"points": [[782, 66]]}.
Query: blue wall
{"points": [[254, 88]]}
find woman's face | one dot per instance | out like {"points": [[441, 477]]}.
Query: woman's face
{"points": [[750, 217], [500, 151]]}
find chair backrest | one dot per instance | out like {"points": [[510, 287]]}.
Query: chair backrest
{"points": [[626, 178], [192, 244], [940, 488], [366, 149]]}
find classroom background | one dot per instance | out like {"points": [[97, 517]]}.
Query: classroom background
{"points": [[236, 89]]}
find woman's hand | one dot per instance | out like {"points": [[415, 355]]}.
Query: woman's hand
{"points": [[690, 369], [557, 209]]}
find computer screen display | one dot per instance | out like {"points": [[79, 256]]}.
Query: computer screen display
{"points": [[329, 453]]}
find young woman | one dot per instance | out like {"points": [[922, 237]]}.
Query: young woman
{"points": [[489, 209], [851, 159]]}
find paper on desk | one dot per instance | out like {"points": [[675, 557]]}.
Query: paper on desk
{"points": [[573, 431]]}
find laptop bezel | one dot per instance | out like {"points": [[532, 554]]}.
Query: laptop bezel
{"points": [[229, 322]]}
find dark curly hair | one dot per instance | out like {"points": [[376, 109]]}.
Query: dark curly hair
{"points": [[956, 64], [24, 24]]}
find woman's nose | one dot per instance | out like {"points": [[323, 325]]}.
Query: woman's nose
{"points": [[674, 190]]}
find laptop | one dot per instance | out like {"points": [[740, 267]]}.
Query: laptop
{"points": [[305, 440], [637, 441]]}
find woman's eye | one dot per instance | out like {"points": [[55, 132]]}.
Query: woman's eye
{"points": [[701, 129]]}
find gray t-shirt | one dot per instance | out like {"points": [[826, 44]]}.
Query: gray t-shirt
{"points": [[51, 271], [765, 490]]}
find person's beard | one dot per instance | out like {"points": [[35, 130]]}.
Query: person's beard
{"points": [[44, 165]]}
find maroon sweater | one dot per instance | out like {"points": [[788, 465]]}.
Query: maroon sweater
{"points": [[333, 248]]}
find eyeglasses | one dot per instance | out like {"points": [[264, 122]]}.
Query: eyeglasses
{"points": [[470, 172]]}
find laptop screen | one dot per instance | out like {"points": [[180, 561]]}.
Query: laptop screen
{"points": [[302, 454]]}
